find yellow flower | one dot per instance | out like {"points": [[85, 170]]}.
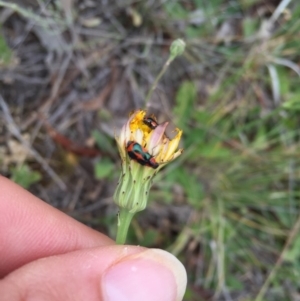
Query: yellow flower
{"points": [[154, 140], [144, 148]]}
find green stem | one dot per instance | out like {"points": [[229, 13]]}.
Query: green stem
{"points": [[161, 73], [124, 220]]}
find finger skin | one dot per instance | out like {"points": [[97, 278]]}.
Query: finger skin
{"points": [[110, 273], [68, 277], [31, 229]]}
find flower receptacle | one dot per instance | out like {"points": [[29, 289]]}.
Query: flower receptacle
{"points": [[133, 187]]}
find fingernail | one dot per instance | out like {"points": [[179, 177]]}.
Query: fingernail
{"points": [[150, 275]]}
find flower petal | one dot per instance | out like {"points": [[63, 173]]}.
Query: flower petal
{"points": [[126, 131], [156, 137], [138, 136], [172, 147], [137, 120], [177, 154]]}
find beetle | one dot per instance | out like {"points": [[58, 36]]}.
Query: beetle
{"points": [[138, 153], [151, 122]]}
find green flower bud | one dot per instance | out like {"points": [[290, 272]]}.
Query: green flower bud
{"points": [[133, 188], [177, 48]]}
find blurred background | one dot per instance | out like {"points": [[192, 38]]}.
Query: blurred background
{"points": [[228, 207]]}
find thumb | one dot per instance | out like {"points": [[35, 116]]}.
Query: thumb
{"points": [[110, 273]]}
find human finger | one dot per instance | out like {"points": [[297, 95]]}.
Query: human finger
{"points": [[110, 273], [31, 229]]}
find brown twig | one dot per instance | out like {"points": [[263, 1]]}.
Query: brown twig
{"points": [[68, 144]]}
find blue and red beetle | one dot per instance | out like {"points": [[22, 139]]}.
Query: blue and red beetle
{"points": [[138, 153]]}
